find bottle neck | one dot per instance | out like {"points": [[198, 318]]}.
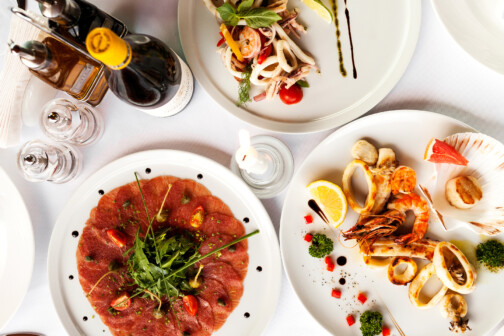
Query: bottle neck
{"points": [[35, 55], [64, 12]]}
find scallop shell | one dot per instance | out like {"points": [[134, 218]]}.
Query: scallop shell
{"points": [[486, 163]]}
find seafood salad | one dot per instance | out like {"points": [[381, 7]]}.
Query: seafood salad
{"points": [[257, 48]]}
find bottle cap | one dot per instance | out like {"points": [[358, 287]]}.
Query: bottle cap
{"points": [[104, 45]]}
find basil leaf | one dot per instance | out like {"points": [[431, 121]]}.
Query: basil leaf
{"points": [[228, 14], [260, 17], [245, 6], [303, 83]]}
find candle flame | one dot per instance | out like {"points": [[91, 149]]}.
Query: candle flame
{"points": [[244, 138]]}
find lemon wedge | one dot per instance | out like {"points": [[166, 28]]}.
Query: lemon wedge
{"points": [[330, 199], [320, 9]]}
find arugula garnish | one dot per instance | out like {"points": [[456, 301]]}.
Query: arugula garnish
{"points": [[254, 17], [244, 86]]}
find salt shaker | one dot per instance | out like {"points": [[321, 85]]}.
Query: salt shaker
{"points": [[40, 161], [76, 123]]}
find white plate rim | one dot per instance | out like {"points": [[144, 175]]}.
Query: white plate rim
{"points": [[465, 44], [317, 125], [180, 156], [329, 138], [24, 247]]}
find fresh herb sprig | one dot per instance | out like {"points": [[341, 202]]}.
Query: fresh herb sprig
{"points": [[254, 17], [244, 86], [321, 245]]}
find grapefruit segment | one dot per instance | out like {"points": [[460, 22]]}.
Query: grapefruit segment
{"points": [[438, 151]]}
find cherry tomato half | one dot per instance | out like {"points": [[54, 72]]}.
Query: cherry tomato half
{"points": [[265, 53], [197, 217], [292, 95], [121, 303], [117, 237], [190, 304]]}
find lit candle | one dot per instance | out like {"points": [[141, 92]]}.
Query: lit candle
{"points": [[247, 156]]}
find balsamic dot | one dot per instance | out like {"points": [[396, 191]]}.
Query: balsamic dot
{"points": [[259, 269], [85, 318], [101, 192], [75, 234], [246, 220], [70, 277], [341, 260], [148, 170], [247, 315], [200, 176], [342, 281]]}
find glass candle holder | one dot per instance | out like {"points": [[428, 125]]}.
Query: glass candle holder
{"points": [[40, 161], [267, 166], [76, 123]]}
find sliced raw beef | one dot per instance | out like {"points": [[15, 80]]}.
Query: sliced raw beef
{"points": [[216, 295]]}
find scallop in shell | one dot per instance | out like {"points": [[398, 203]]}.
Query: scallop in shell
{"points": [[486, 164]]}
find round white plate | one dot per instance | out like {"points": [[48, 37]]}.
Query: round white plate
{"points": [[384, 35], [477, 26], [407, 132], [17, 249], [261, 288]]}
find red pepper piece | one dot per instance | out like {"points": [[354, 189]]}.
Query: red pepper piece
{"points": [[121, 303], [362, 298], [265, 53], [190, 304], [385, 331], [336, 293], [117, 237], [329, 263], [308, 219], [197, 217], [308, 237], [350, 320], [330, 267]]}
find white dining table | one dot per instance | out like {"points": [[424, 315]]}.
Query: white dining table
{"points": [[440, 78]]}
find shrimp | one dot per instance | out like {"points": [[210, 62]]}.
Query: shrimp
{"points": [[403, 180], [415, 203], [250, 42], [375, 226]]}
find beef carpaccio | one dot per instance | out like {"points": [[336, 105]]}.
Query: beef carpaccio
{"points": [[122, 209]]}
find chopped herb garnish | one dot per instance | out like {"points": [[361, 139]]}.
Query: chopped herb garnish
{"points": [[321, 245], [244, 86], [491, 254], [126, 204]]}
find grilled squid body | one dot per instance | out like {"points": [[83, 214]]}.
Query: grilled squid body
{"points": [[417, 284], [453, 268], [348, 190]]}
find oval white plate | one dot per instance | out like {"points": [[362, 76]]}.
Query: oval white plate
{"points": [[17, 249], [261, 288], [477, 26], [407, 132], [384, 36]]}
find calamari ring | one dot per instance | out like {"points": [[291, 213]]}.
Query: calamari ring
{"points": [[442, 269], [347, 186], [282, 49], [405, 277], [417, 284], [376, 262], [254, 77], [453, 306]]}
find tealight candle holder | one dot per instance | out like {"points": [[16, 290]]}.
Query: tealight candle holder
{"points": [[264, 163]]}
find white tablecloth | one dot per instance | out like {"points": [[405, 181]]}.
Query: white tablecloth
{"points": [[440, 78]]}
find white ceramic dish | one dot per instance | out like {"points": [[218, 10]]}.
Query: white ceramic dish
{"points": [[407, 132], [17, 249], [477, 26], [384, 36], [261, 288]]}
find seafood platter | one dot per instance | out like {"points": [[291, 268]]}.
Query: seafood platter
{"points": [[387, 227], [156, 247], [280, 67]]}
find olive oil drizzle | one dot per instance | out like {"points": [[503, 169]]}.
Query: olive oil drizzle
{"points": [[334, 7], [347, 14]]}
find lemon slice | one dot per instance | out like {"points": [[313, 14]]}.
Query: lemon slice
{"points": [[320, 9], [330, 199]]}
